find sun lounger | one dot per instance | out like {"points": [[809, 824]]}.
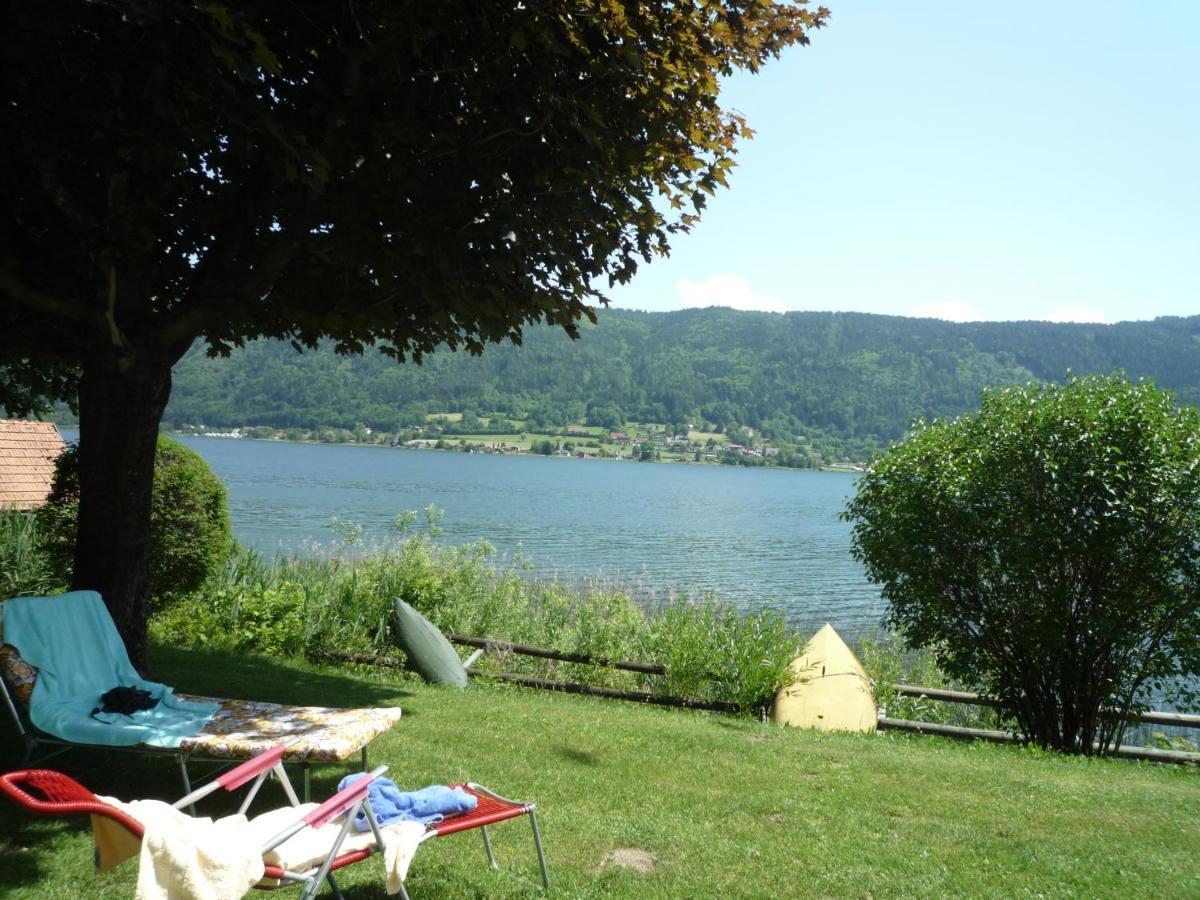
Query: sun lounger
{"points": [[238, 730], [47, 792]]}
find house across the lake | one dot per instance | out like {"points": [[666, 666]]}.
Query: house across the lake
{"points": [[28, 451]]}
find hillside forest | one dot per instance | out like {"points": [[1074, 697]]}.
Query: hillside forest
{"points": [[814, 387]]}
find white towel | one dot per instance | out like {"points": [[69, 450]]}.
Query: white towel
{"points": [[400, 843], [308, 848], [186, 858]]}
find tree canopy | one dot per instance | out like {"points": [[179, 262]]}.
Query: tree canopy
{"points": [[1047, 548], [401, 174]]}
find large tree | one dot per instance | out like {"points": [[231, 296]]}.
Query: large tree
{"points": [[408, 175]]}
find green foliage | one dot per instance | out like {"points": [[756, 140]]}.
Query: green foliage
{"points": [[338, 603], [827, 385], [715, 652], [888, 662], [1047, 550], [191, 534], [407, 176], [25, 568]]}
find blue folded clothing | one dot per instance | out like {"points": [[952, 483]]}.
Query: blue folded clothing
{"points": [[428, 806]]}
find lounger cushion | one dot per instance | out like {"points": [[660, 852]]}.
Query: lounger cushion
{"points": [[244, 728]]}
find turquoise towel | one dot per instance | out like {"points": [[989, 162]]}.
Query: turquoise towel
{"points": [[72, 642]]}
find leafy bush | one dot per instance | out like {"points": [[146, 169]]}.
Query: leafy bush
{"points": [[712, 651], [1046, 550], [191, 535]]}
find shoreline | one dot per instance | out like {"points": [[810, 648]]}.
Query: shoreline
{"points": [[229, 436]]}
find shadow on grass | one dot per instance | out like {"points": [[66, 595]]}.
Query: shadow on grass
{"points": [[583, 757], [240, 677], [25, 846]]}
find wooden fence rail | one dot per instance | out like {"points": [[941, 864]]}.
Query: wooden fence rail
{"points": [[1150, 717], [488, 644]]}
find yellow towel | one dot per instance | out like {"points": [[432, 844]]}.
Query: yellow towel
{"points": [[186, 858]]}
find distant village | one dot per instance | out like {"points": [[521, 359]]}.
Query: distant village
{"points": [[645, 443]]}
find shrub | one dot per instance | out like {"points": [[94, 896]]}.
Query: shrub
{"points": [[1047, 550], [191, 534], [889, 663]]}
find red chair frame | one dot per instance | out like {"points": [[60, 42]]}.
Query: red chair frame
{"points": [[50, 793], [47, 792]]}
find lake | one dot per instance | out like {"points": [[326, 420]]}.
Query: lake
{"points": [[753, 537]]}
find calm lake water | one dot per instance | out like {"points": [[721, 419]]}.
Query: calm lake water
{"points": [[753, 537]]}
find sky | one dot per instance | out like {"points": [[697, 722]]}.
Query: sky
{"points": [[962, 160]]}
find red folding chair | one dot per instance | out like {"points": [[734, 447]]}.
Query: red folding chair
{"points": [[46, 792]]}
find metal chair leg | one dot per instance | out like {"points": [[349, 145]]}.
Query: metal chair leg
{"points": [[537, 842], [487, 845], [187, 782], [337, 892]]}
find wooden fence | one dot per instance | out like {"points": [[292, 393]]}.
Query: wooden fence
{"points": [[484, 645], [1150, 717]]}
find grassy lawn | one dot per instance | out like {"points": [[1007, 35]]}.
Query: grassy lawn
{"points": [[727, 807]]}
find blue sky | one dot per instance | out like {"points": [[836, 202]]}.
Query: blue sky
{"points": [[961, 159]]}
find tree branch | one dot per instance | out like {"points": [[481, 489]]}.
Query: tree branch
{"points": [[186, 321], [46, 305]]}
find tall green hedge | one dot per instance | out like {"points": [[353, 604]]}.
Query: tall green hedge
{"points": [[190, 526]]}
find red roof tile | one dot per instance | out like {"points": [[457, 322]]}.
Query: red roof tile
{"points": [[27, 454]]}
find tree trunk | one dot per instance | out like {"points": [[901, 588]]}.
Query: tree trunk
{"points": [[119, 412]]}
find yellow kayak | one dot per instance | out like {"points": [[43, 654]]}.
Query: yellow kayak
{"points": [[830, 690]]}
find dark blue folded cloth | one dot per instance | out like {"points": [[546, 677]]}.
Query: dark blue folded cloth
{"points": [[427, 806]]}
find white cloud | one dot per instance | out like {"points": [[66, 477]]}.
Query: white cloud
{"points": [[725, 290], [951, 311], [1077, 314]]}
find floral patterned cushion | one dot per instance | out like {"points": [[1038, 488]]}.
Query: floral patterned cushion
{"points": [[243, 728], [19, 676]]}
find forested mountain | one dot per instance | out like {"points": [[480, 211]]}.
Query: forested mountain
{"points": [[854, 379]]}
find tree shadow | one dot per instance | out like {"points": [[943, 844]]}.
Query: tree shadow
{"points": [[25, 846], [224, 674]]}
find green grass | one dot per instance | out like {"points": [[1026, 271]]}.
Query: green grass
{"points": [[728, 807]]}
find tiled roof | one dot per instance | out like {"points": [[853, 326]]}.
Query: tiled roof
{"points": [[27, 454]]}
